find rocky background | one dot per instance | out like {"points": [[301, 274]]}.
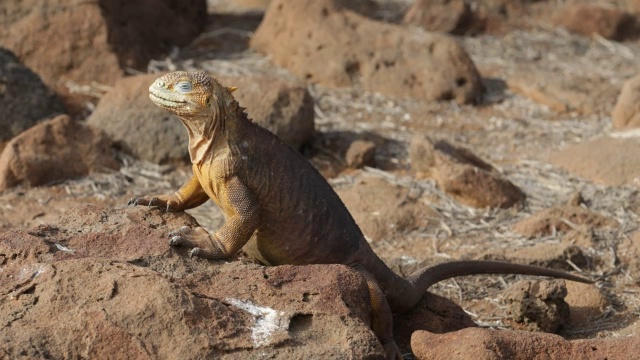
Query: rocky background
{"points": [[452, 129]]}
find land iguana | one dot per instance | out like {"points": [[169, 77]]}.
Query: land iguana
{"points": [[269, 192]]}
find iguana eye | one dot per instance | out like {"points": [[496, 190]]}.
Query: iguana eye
{"points": [[184, 86]]}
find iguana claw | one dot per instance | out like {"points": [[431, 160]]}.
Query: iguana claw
{"points": [[175, 240]]}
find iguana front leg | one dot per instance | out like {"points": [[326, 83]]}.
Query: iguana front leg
{"points": [[241, 212], [190, 195]]}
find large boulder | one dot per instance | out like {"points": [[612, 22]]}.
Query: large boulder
{"points": [[322, 42], [87, 41], [24, 99], [111, 278]]}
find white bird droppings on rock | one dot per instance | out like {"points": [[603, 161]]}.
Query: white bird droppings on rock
{"points": [[267, 321]]}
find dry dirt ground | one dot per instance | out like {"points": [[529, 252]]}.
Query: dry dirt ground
{"points": [[514, 133]]}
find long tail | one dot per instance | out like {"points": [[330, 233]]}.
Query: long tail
{"points": [[424, 278]]}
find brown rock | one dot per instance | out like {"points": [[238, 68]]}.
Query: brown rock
{"points": [[434, 314], [393, 211], [100, 271], [361, 153], [586, 19], [561, 218], [138, 126], [90, 265], [564, 93], [605, 160], [324, 43], [586, 302], [95, 41], [626, 113], [478, 188], [127, 115], [24, 99], [537, 305], [475, 343], [55, 150], [462, 174]]}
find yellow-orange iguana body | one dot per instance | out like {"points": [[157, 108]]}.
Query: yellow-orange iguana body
{"points": [[268, 190]]}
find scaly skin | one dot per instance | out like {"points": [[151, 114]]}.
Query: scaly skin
{"points": [[272, 194]]}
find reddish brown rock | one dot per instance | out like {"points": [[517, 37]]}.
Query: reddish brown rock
{"points": [[537, 305], [95, 41], [324, 43], [125, 113], [462, 174], [561, 218], [55, 150], [626, 113], [101, 272], [434, 314], [586, 301], [138, 126], [604, 160], [608, 22], [475, 343]]}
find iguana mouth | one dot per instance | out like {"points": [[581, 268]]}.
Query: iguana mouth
{"points": [[158, 98]]}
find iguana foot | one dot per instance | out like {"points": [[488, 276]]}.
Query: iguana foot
{"points": [[203, 244], [165, 202]]}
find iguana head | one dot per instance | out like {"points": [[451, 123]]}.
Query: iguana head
{"points": [[183, 93], [199, 101]]}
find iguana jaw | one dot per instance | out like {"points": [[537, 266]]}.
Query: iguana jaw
{"points": [[165, 96]]}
